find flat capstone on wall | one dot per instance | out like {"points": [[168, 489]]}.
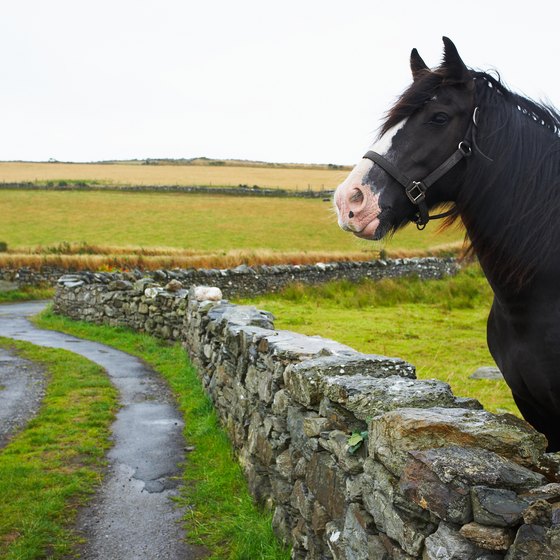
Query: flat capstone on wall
{"points": [[356, 458]]}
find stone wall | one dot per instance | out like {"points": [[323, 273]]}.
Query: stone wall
{"points": [[239, 190], [247, 281], [356, 457]]}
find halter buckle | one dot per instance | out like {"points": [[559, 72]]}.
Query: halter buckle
{"points": [[416, 192]]}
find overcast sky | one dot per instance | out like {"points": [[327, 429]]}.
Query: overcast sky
{"points": [[290, 81]]}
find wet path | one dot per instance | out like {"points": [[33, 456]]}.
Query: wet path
{"points": [[22, 385], [132, 516]]}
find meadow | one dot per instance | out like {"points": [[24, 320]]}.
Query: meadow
{"points": [[154, 230], [437, 325], [302, 177]]}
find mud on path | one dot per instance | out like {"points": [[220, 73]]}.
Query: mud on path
{"points": [[132, 515]]}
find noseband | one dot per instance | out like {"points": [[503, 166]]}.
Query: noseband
{"points": [[416, 190]]}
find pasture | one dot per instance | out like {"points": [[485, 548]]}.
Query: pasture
{"points": [[437, 325], [174, 229], [309, 177]]}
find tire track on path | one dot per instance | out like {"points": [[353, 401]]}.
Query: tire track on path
{"points": [[132, 515]]}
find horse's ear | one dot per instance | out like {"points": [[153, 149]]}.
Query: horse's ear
{"points": [[417, 65], [453, 66]]}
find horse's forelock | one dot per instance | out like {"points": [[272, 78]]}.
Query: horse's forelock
{"points": [[421, 90]]}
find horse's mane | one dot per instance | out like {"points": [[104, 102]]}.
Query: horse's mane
{"points": [[513, 201], [510, 197]]}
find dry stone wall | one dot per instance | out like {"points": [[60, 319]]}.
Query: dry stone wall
{"points": [[356, 457], [247, 281]]}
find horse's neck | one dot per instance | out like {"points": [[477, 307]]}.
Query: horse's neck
{"points": [[510, 206], [517, 276]]}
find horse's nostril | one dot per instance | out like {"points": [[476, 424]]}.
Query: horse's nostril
{"points": [[351, 215], [357, 196]]}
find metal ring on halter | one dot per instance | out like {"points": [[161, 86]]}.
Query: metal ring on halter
{"points": [[475, 116], [465, 148]]}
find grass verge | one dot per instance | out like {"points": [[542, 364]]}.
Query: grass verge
{"points": [[26, 293], [50, 468], [437, 325], [221, 513]]}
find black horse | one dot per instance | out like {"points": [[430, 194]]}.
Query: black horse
{"points": [[459, 137]]}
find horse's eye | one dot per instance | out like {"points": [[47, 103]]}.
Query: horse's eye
{"points": [[439, 118]]}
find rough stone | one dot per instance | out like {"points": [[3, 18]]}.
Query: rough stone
{"points": [[153, 292], [356, 533], [405, 523], [207, 293], [336, 442], [448, 544], [303, 379], [334, 540], [538, 513], [490, 538], [339, 418], [448, 500], [284, 464], [487, 372], [301, 500], [281, 524], [395, 433], [326, 481], [367, 397], [295, 423], [174, 286], [497, 506], [294, 346], [534, 542], [439, 479], [312, 427]]}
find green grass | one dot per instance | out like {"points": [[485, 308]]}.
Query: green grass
{"points": [[222, 515], [51, 468], [198, 222], [438, 325], [26, 293]]}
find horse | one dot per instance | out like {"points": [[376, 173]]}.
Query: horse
{"points": [[460, 139]]}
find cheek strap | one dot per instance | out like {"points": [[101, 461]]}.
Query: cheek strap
{"points": [[416, 190]]}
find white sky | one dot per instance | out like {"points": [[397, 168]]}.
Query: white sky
{"points": [[290, 81]]}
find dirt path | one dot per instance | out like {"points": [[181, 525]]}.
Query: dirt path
{"points": [[132, 516]]}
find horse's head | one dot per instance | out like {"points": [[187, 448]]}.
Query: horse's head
{"points": [[426, 129]]}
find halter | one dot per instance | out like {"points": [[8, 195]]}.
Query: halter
{"points": [[416, 190]]}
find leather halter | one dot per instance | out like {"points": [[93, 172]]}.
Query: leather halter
{"points": [[416, 190]]}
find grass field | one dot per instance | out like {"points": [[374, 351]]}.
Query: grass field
{"points": [[438, 325], [234, 229], [299, 178]]}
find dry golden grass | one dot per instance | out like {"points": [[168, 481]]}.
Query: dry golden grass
{"points": [[166, 175], [126, 258]]}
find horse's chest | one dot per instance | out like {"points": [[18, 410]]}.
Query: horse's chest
{"points": [[525, 343]]}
